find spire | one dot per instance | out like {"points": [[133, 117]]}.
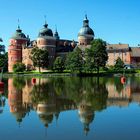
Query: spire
{"points": [[86, 16], [45, 25], [86, 129], [18, 24], [56, 29], [18, 29], [56, 35], [85, 21]]}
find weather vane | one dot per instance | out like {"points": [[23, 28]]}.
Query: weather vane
{"points": [[45, 19], [86, 14], [18, 24]]}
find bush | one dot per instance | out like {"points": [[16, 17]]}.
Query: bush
{"points": [[19, 67], [119, 65]]}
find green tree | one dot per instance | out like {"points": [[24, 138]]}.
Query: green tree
{"points": [[3, 57], [4, 61], [75, 61], [58, 64], [19, 67], [89, 60], [119, 64], [39, 57], [100, 56]]}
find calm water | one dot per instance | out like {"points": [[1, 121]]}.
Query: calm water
{"points": [[70, 109]]}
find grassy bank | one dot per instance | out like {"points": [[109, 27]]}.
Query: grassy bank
{"points": [[68, 73]]}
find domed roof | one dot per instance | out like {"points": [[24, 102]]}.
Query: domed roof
{"points": [[86, 30], [18, 34], [46, 119], [45, 31]]}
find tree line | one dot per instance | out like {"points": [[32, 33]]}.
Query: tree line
{"points": [[78, 61], [90, 59]]}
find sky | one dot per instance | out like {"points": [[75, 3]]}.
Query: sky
{"points": [[115, 21]]}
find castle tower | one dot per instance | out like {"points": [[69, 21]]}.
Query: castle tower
{"points": [[15, 101], [46, 112], [17, 41], [86, 34], [86, 116], [46, 40]]}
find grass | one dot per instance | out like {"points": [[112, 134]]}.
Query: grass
{"points": [[68, 73]]}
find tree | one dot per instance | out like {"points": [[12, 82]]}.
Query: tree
{"points": [[3, 57], [58, 64], [74, 60], [89, 60], [19, 82], [39, 57], [4, 61], [100, 56], [19, 67], [119, 64]]}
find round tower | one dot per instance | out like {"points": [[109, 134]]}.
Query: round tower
{"points": [[46, 112], [17, 41], [86, 115], [86, 34], [15, 101], [46, 40]]}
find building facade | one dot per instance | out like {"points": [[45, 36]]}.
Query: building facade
{"points": [[20, 47], [118, 50]]}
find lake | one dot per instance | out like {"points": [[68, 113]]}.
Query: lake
{"points": [[70, 108]]}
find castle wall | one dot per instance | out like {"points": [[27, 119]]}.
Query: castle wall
{"points": [[26, 58], [125, 57]]}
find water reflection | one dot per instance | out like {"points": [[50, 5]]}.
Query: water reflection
{"points": [[48, 97]]}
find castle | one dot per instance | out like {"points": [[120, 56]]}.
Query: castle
{"points": [[20, 47]]}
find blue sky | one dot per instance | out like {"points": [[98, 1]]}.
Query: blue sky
{"points": [[112, 20]]}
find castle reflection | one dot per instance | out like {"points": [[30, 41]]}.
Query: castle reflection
{"points": [[48, 97]]}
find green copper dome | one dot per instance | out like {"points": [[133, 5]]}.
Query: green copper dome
{"points": [[45, 31], [18, 34]]}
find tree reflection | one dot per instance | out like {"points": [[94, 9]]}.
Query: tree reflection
{"points": [[118, 84], [50, 96], [2, 103], [19, 82]]}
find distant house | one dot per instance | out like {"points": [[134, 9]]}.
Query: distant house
{"points": [[129, 55]]}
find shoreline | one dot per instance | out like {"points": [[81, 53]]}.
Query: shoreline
{"points": [[102, 74]]}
